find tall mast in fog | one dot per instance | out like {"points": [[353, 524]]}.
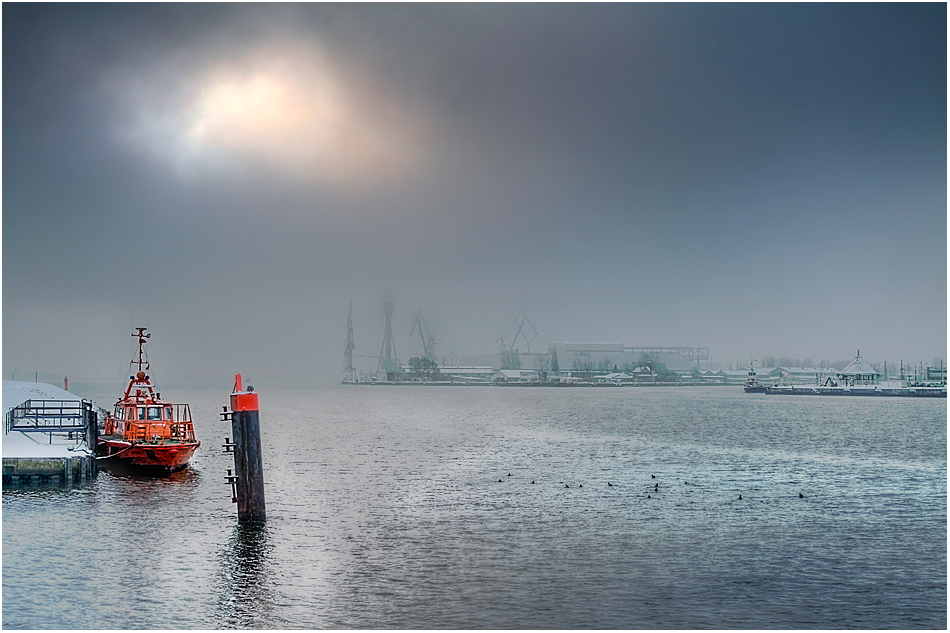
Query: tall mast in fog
{"points": [[349, 372]]}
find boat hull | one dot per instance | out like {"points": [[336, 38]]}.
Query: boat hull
{"points": [[167, 457], [900, 392]]}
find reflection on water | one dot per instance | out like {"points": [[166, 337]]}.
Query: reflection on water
{"points": [[123, 470], [243, 561]]}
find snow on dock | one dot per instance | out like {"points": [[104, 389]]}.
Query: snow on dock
{"points": [[42, 455]]}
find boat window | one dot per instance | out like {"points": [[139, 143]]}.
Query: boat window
{"points": [[168, 413], [141, 413], [154, 413], [120, 413]]}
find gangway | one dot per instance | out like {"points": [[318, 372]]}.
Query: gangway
{"points": [[55, 417]]}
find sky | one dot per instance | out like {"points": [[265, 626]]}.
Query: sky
{"points": [[756, 179]]}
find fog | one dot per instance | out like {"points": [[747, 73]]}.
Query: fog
{"points": [[753, 179]]}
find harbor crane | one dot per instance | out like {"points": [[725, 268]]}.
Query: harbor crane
{"points": [[509, 351], [388, 361], [428, 342]]}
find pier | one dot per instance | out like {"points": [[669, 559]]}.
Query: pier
{"points": [[49, 436], [22, 471]]}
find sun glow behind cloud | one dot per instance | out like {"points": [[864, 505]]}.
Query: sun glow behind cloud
{"points": [[288, 111]]}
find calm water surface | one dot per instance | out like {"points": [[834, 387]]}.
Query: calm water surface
{"points": [[422, 507]]}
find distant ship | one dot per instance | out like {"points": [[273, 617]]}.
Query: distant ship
{"points": [[859, 379], [858, 390], [145, 431], [752, 385]]}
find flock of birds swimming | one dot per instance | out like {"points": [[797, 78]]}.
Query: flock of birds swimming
{"points": [[656, 487]]}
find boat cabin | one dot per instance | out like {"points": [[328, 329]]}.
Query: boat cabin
{"points": [[141, 416], [859, 372], [153, 422]]}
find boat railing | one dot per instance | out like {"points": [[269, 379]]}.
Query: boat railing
{"points": [[183, 431], [148, 432], [152, 432], [178, 428], [142, 431], [182, 413], [183, 428]]}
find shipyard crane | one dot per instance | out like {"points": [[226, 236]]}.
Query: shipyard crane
{"points": [[520, 320], [508, 351], [388, 361], [428, 342]]}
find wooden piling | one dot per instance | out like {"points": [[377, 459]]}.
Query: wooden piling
{"points": [[248, 460]]}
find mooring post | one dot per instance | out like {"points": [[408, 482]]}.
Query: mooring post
{"points": [[248, 461]]}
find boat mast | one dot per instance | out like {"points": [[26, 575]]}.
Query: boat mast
{"points": [[142, 356], [349, 372]]}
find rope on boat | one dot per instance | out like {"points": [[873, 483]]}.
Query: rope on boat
{"points": [[129, 447]]}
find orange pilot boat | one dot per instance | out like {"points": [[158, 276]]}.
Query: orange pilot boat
{"points": [[145, 431]]}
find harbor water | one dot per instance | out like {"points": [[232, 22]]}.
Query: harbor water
{"points": [[498, 508]]}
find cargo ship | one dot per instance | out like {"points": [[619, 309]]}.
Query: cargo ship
{"points": [[144, 431]]}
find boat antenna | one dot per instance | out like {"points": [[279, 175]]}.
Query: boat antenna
{"points": [[142, 360]]}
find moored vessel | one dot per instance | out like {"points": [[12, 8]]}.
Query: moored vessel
{"points": [[144, 431], [752, 384], [858, 378], [919, 391]]}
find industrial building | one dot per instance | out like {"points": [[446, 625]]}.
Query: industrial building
{"points": [[606, 356], [588, 357]]}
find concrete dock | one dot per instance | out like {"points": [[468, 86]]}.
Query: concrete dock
{"points": [[49, 436], [19, 471]]}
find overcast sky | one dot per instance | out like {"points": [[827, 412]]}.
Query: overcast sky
{"points": [[757, 179]]}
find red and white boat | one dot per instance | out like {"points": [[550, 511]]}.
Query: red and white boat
{"points": [[145, 431]]}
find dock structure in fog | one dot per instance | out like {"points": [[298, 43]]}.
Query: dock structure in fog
{"points": [[49, 435]]}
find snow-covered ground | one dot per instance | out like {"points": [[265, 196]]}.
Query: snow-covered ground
{"points": [[17, 444]]}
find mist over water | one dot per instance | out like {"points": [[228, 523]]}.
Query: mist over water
{"points": [[414, 507], [756, 179]]}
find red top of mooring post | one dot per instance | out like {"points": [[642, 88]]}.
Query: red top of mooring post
{"points": [[242, 400]]}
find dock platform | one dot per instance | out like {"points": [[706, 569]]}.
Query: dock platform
{"points": [[49, 436], [67, 471]]}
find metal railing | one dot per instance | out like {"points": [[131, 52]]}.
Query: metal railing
{"points": [[54, 416]]}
